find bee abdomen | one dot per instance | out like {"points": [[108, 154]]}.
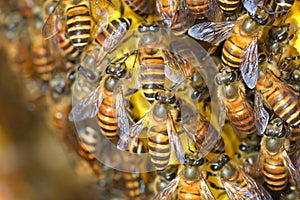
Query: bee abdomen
{"points": [[191, 193], [205, 137], [115, 27], [140, 7], [67, 46], [198, 8], [43, 61], [107, 118], [152, 76], [132, 184], [285, 105], [241, 115], [229, 6], [79, 25], [275, 174], [233, 52], [87, 144], [159, 147]]}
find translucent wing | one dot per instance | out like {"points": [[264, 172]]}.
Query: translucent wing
{"points": [[249, 67], [213, 32], [214, 13], [52, 24], [169, 190], [257, 168], [251, 191], [89, 106], [174, 139], [190, 120], [260, 114], [174, 67], [123, 121], [252, 5], [133, 132], [294, 173], [205, 191]]}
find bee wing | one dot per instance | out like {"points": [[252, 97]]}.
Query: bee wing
{"points": [[134, 131], [213, 32], [214, 13], [251, 5], [169, 190], [123, 121], [52, 24], [175, 140], [205, 191], [257, 168], [89, 106], [294, 173], [234, 190], [249, 67], [260, 114], [173, 67]]}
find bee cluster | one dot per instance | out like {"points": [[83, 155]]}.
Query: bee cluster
{"points": [[183, 99]]}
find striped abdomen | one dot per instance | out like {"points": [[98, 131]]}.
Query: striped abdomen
{"points": [[66, 44], [240, 114], [87, 144], [198, 8], [190, 193], [152, 70], [107, 119], [206, 138], [159, 147], [280, 97], [79, 25], [229, 7], [234, 50], [109, 35], [43, 60], [181, 23], [275, 174], [140, 7], [132, 185]]}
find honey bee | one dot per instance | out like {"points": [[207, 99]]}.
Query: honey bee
{"points": [[140, 7], [78, 17], [285, 102], [273, 160], [240, 50], [189, 181], [238, 108], [162, 135], [107, 102], [248, 152], [164, 177], [237, 183]]}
